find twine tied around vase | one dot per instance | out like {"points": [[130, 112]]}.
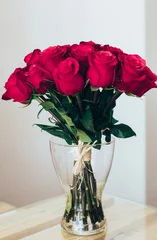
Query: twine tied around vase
{"points": [[83, 155]]}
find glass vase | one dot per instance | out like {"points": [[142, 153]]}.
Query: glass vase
{"points": [[83, 171]]}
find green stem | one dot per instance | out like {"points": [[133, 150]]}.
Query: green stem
{"points": [[86, 195], [95, 96], [92, 198], [79, 104], [84, 211], [115, 96], [100, 210], [93, 180]]}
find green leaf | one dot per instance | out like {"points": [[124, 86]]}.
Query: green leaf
{"points": [[87, 95], [104, 98], [69, 123], [122, 131], [67, 119], [43, 126], [65, 100], [72, 111], [60, 113], [87, 120], [102, 122], [114, 120], [48, 105], [83, 137], [68, 107], [55, 131]]}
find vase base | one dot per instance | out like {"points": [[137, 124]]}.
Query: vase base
{"points": [[80, 229]]}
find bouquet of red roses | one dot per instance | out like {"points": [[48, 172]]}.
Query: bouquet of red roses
{"points": [[79, 85]]}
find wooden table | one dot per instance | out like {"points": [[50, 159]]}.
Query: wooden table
{"points": [[126, 221], [5, 207]]}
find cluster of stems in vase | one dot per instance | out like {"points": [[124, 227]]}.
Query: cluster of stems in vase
{"points": [[83, 199]]}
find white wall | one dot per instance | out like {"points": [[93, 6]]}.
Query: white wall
{"points": [[26, 172]]}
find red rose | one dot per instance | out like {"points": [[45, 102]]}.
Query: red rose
{"points": [[113, 50], [67, 47], [136, 77], [102, 69], [96, 46], [81, 52], [39, 78], [88, 43], [17, 88], [33, 57], [67, 77], [52, 56]]}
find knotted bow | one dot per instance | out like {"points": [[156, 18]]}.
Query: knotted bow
{"points": [[83, 155]]}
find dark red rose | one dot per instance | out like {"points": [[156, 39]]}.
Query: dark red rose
{"points": [[67, 77], [88, 43], [33, 57], [151, 82], [39, 78], [17, 88], [113, 50], [102, 69], [81, 52], [67, 53], [136, 77], [52, 56], [96, 46]]}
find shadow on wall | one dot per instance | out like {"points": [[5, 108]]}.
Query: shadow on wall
{"points": [[151, 106], [151, 150]]}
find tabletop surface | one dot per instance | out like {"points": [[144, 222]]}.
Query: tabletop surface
{"points": [[126, 221], [5, 207]]}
